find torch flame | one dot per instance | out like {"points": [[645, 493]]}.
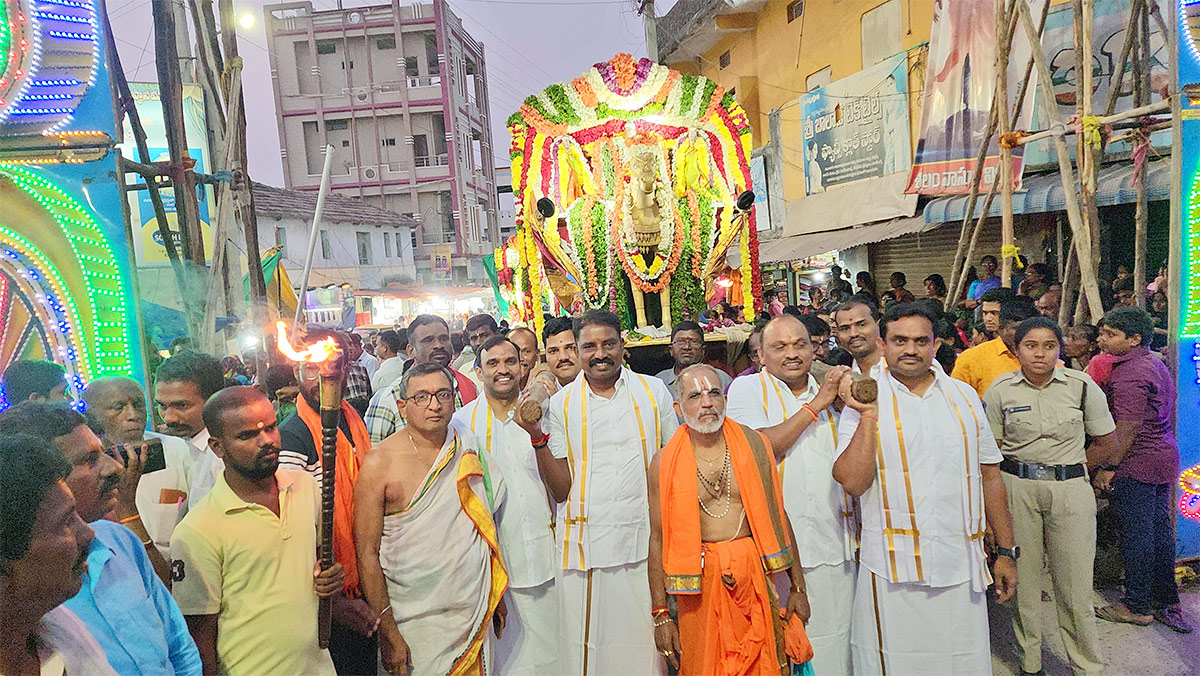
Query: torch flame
{"points": [[315, 353]]}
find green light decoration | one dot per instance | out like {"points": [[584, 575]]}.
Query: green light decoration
{"points": [[102, 348], [1191, 318], [5, 39]]}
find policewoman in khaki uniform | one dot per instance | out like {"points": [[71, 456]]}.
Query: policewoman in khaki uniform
{"points": [[1041, 416]]}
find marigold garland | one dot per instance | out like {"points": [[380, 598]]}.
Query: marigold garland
{"points": [[598, 112]]}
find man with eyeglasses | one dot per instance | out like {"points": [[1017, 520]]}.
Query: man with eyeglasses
{"points": [[428, 342], [428, 561], [687, 348]]}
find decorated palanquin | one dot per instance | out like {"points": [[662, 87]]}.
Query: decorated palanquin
{"points": [[627, 183]]}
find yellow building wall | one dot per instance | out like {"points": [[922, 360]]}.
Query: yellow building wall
{"points": [[770, 64]]}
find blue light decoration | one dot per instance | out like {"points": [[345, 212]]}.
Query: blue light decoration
{"points": [[48, 53], [1187, 286]]}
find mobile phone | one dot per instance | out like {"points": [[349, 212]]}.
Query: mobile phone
{"points": [[155, 460]]}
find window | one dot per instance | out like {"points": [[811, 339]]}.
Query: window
{"points": [[326, 250], [400, 243], [881, 32], [420, 146], [795, 10], [410, 66], [364, 248], [327, 46], [337, 125], [385, 42], [387, 246], [281, 240], [387, 142], [725, 59], [819, 79]]}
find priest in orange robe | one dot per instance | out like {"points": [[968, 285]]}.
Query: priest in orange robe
{"points": [[718, 533]]}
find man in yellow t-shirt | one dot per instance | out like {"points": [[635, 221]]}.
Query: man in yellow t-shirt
{"points": [[245, 555], [981, 365]]}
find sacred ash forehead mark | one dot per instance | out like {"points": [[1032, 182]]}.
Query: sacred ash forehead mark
{"points": [[703, 383]]}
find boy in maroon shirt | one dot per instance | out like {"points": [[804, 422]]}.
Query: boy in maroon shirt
{"points": [[1143, 471]]}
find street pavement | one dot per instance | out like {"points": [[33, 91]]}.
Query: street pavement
{"points": [[1127, 650]]}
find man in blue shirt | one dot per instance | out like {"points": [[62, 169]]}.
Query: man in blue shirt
{"points": [[123, 603], [987, 281]]}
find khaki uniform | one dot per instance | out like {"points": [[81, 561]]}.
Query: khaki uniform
{"points": [[1053, 521]]}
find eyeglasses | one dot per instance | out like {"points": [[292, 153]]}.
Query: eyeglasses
{"points": [[687, 342], [423, 398]]}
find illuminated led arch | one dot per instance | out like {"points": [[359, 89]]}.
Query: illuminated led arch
{"points": [[87, 327], [48, 53]]}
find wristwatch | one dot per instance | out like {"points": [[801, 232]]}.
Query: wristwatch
{"points": [[1014, 553]]}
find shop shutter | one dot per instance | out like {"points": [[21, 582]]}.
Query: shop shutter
{"points": [[921, 254]]}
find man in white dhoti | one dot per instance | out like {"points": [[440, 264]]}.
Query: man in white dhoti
{"points": [[429, 561], [925, 463], [795, 412], [608, 423], [518, 451]]}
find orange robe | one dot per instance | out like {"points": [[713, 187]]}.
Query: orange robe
{"points": [[727, 610]]}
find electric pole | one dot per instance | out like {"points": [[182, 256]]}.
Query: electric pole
{"points": [[646, 9]]}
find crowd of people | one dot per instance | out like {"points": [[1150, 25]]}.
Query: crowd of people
{"points": [[514, 503]]}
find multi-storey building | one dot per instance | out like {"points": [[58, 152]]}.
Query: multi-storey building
{"points": [[400, 93]]}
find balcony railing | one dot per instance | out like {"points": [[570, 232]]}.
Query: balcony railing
{"points": [[425, 81], [432, 161]]}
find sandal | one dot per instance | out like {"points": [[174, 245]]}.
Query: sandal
{"points": [[1172, 616], [1119, 612]]}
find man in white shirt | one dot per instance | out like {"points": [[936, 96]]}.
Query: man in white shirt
{"points": [[364, 358], [518, 451], [182, 384], [116, 405], [562, 357], [608, 425], [925, 463], [795, 412], [856, 326], [389, 348]]}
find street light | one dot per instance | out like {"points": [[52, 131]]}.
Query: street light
{"points": [[246, 20]]}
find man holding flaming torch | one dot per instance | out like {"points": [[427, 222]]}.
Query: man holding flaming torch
{"points": [[352, 643]]}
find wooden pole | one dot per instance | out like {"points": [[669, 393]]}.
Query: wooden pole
{"points": [[1089, 158], [170, 83], [1070, 282], [1066, 173], [1006, 216], [962, 255], [1175, 279], [1141, 94], [1114, 94], [959, 270], [226, 203]]}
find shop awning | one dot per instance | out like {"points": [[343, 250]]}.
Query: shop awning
{"points": [[813, 244], [1043, 193]]}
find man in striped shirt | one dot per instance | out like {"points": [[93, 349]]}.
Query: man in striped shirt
{"points": [[428, 341]]}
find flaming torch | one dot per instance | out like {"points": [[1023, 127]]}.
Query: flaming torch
{"points": [[324, 354]]}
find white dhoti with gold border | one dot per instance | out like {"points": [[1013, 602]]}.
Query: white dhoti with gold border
{"points": [[905, 628], [606, 623]]}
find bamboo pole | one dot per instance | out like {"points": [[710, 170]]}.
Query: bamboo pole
{"points": [[226, 202], [1141, 93], [1090, 154], [960, 267], [1135, 10], [957, 268], [1175, 252], [1006, 216], [1070, 282], [1057, 127], [1066, 173]]}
